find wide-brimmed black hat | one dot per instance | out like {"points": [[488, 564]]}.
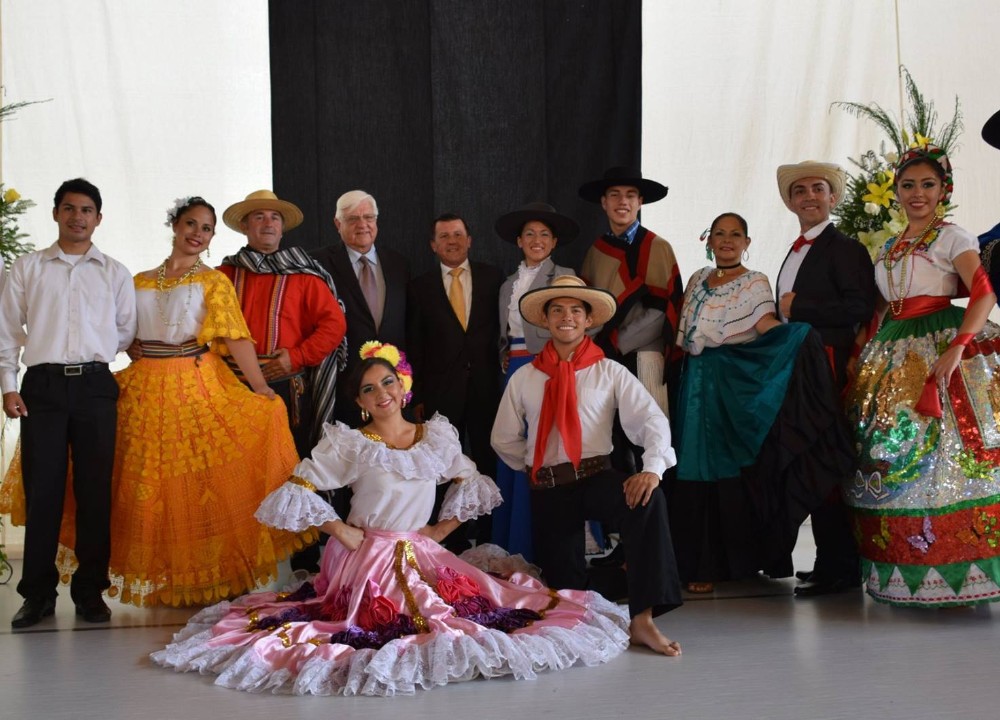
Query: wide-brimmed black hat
{"points": [[509, 226], [650, 190], [991, 130]]}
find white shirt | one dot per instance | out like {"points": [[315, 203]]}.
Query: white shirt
{"points": [[73, 313], [522, 283], [790, 268], [929, 270], [465, 280], [601, 389]]}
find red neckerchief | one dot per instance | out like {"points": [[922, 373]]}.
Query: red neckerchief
{"points": [[559, 400]]}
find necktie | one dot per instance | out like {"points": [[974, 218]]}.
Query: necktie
{"points": [[456, 296], [369, 288], [799, 243]]}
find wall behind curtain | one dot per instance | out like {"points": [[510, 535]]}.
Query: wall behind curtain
{"points": [[732, 89], [150, 101], [450, 105]]}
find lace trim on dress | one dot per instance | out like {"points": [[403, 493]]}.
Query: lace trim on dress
{"points": [[431, 457], [400, 667], [294, 507], [474, 496]]}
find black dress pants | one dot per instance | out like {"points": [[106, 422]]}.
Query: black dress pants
{"points": [[557, 519], [67, 414]]}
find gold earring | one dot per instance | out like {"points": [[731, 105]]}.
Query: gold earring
{"points": [[939, 211], [365, 417]]}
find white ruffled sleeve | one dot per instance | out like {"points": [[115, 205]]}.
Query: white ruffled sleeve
{"points": [[471, 493], [334, 464]]}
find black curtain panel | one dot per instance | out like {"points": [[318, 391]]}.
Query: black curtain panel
{"points": [[466, 106]]}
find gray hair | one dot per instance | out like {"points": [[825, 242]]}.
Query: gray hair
{"points": [[350, 200]]}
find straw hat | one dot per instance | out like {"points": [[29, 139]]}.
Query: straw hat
{"points": [[650, 190], [509, 226], [602, 303], [262, 200], [831, 172], [991, 130]]}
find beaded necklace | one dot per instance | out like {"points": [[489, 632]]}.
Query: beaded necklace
{"points": [[903, 288], [163, 291]]}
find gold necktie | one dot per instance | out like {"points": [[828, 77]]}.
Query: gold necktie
{"points": [[456, 296]]}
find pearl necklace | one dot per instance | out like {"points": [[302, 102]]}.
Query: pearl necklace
{"points": [[163, 291], [903, 288]]}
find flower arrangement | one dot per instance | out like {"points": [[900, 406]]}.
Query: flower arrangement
{"points": [[869, 210]]}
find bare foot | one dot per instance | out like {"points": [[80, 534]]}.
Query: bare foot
{"points": [[643, 631]]}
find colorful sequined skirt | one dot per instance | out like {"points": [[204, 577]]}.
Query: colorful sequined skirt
{"points": [[927, 496], [398, 613], [196, 453]]}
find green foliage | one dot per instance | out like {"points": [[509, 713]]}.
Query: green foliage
{"points": [[12, 205]]}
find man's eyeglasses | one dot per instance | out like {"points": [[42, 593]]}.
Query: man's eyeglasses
{"points": [[355, 219]]}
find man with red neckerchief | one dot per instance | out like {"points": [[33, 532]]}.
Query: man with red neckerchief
{"points": [[568, 397]]}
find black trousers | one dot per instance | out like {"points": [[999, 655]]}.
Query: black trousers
{"points": [[302, 405], [836, 552], [75, 414], [557, 519]]}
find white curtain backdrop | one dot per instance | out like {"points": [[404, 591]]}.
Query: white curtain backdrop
{"points": [[150, 101], [733, 89]]}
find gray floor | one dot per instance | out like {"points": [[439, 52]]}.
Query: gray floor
{"points": [[750, 651]]}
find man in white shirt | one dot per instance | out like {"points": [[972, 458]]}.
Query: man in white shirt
{"points": [[78, 307], [568, 398]]}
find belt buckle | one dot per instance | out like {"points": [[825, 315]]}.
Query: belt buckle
{"points": [[72, 370], [543, 482], [581, 472]]}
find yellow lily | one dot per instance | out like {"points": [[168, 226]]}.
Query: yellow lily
{"points": [[880, 194], [11, 196], [919, 140]]}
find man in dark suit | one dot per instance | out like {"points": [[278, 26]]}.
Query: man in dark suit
{"points": [[372, 285], [827, 281], [452, 338]]}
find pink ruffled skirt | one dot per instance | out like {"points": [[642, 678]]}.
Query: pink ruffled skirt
{"points": [[398, 613]]}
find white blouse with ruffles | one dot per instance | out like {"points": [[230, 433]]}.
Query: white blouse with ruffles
{"points": [[393, 489], [724, 315]]}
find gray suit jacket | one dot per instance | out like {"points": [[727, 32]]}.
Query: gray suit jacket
{"points": [[534, 337]]}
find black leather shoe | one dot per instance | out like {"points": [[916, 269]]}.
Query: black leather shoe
{"points": [[826, 587], [615, 558], [93, 610], [32, 611], [804, 575]]}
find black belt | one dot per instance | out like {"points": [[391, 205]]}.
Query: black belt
{"points": [[551, 476], [71, 370]]}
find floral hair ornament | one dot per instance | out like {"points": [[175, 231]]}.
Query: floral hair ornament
{"points": [[395, 357], [929, 151], [179, 206], [708, 248]]}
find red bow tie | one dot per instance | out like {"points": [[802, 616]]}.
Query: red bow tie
{"points": [[800, 241]]}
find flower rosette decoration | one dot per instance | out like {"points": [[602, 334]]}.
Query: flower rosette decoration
{"points": [[337, 603], [378, 620], [395, 357], [869, 210], [463, 594]]}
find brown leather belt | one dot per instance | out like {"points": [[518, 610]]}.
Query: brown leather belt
{"points": [[552, 476]]}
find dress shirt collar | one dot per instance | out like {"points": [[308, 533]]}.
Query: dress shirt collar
{"points": [[354, 255], [628, 236], [54, 252], [445, 270], [815, 231]]}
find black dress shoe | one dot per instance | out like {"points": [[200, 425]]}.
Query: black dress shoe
{"points": [[826, 587], [32, 611], [804, 575], [615, 558], [93, 610]]}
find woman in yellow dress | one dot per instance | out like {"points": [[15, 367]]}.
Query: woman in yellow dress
{"points": [[197, 451]]}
